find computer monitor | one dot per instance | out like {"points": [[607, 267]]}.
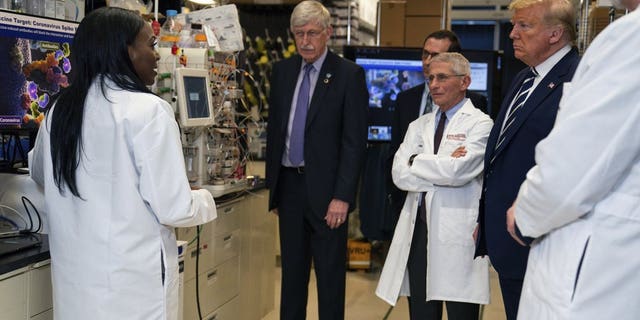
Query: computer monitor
{"points": [[388, 71], [485, 75], [391, 70], [195, 104]]}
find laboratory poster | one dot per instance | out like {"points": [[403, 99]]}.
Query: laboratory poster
{"points": [[34, 66]]}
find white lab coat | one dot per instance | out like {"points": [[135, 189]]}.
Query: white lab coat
{"points": [[582, 200], [453, 189], [108, 248]]}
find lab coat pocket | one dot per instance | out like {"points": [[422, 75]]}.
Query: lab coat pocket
{"points": [[456, 226], [579, 268], [558, 260]]}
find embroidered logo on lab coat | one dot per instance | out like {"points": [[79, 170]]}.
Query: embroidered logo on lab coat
{"points": [[457, 136]]}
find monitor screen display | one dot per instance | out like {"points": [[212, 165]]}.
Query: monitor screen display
{"points": [[479, 76], [391, 70], [485, 65], [195, 104], [388, 71], [196, 95], [385, 79]]}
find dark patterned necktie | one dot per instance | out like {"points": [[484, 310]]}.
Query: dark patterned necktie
{"points": [[439, 131], [428, 105], [518, 103]]}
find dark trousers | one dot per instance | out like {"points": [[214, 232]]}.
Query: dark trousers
{"points": [[511, 290], [419, 308], [305, 236]]}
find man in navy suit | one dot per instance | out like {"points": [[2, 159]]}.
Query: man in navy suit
{"points": [[543, 33], [415, 101], [316, 140]]}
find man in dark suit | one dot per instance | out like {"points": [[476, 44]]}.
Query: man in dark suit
{"points": [[543, 33], [416, 101], [316, 140]]}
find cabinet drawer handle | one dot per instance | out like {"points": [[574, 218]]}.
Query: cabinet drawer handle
{"points": [[212, 274]]}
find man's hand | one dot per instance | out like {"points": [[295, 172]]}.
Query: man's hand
{"points": [[459, 152], [511, 224], [337, 213]]}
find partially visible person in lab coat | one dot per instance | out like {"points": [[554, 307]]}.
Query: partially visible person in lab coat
{"points": [[110, 159], [440, 163], [582, 199]]}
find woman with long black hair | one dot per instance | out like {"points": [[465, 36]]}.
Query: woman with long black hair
{"points": [[110, 159]]}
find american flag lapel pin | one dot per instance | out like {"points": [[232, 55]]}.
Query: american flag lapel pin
{"points": [[551, 85], [327, 77]]}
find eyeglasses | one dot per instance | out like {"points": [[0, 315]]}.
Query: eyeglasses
{"points": [[443, 77], [427, 54], [311, 34]]}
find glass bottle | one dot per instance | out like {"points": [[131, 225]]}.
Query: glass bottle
{"points": [[170, 31], [199, 36]]}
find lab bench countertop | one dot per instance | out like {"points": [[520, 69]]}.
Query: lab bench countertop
{"points": [[23, 258], [20, 259]]}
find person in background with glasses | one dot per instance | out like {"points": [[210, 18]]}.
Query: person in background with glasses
{"points": [[316, 139], [439, 164], [543, 35]]}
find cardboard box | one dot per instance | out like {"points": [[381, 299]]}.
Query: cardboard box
{"points": [[359, 252], [418, 28], [424, 8], [392, 24], [598, 20]]}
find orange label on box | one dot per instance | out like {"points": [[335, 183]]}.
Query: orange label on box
{"points": [[359, 254]]}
